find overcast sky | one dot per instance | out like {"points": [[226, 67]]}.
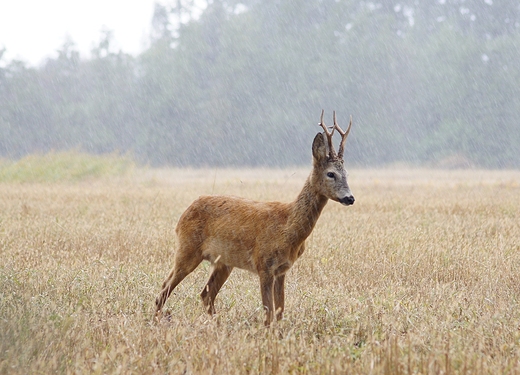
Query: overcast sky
{"points": [[32, 30]]}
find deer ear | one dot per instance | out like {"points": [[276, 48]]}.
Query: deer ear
{"points": [[319, 148]]}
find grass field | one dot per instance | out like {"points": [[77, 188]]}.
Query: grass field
{"points": [[420, 276]]}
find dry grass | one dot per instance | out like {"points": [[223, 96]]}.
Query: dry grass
{"points": [[421, 275]]}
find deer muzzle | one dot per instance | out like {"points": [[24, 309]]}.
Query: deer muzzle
{"points": [[348, 200]]}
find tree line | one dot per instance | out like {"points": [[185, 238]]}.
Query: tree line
{"points": [[243, 84]]}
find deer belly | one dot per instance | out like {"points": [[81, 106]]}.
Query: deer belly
{"points": [[230, 253]]}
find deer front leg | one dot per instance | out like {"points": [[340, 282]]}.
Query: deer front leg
{"points": [[217, 278], [279, 296], [266, 288]]}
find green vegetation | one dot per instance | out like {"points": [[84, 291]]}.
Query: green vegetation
{"points": [[64, 166], [244, 84]]}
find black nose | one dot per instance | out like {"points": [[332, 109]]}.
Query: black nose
{"points": [[347, 200]]}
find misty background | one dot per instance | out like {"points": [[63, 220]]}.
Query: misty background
{"points": [[242, 83]]}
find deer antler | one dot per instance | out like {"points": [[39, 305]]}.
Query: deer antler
{"points": [[344, 134], [332, 152]]}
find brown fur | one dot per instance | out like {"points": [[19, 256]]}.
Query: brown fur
{"points": [[265, 238]]}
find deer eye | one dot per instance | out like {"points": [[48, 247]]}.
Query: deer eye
{"points": [[331, 175]]}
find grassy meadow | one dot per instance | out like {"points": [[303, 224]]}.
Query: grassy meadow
{"points": [[420, 276]]}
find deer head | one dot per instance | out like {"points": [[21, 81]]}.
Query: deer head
{"points": [[329, 174]]}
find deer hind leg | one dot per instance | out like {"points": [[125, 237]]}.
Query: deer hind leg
{"points": [[217, 278], [185, 262], [279, 296]]}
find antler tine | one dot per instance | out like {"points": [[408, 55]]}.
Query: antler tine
{"points": [[344, 134], [332, 152]]}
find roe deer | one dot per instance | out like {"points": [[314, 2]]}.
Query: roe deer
{"points": [[262, 237]]}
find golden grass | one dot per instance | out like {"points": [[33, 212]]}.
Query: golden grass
{"points": [[421, 276]]}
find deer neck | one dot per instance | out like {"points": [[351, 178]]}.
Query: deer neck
{"points": [[305, 211]]}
